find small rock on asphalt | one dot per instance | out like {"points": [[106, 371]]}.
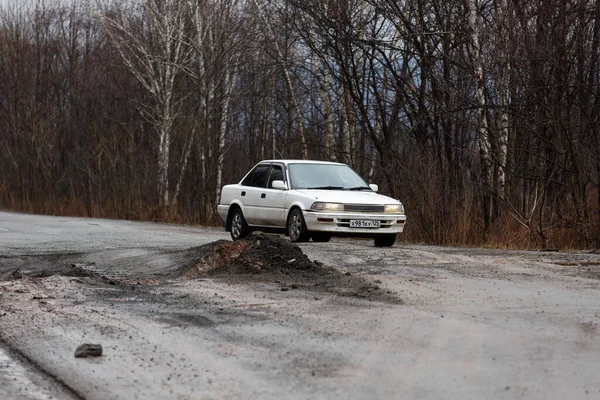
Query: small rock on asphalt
{"points": [[88, 350]]}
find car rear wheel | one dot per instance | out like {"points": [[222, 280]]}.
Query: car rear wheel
{"points": [[296, 227], [239, 228], [386, 240], [321, 237]]}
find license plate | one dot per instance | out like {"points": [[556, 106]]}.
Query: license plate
{"points": [[360, 223]]}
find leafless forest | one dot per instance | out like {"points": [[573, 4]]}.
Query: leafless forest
{"points": [[482, 116]]}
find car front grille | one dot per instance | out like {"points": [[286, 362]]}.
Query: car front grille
{"points": [[364, 208]]}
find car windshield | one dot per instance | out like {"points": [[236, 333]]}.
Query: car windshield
{"points": [[325, 176]]}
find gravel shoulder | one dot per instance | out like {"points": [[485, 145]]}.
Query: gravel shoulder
{"points": [[456, 323]]}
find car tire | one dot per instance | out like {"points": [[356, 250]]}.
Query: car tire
{"points": [[296, 227], [239, 228], [386, 240], [321, 237]]}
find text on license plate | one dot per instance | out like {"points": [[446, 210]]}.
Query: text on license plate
{"points": [[360, 223]]}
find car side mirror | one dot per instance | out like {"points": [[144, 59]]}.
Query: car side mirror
{"points": [[279, 185], [374, 187]]}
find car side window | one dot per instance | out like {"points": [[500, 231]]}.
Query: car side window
{"points": [[258, 177], [276, 175]]}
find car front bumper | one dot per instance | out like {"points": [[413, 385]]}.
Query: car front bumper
{"points": [[340, 222]]}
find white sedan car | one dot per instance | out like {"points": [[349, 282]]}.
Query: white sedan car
{"points": [[309, 199]]}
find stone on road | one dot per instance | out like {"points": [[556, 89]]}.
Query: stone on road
{"points": [[88, 350]]}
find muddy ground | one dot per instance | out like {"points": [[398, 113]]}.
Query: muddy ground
{"points": [[184, 313]]}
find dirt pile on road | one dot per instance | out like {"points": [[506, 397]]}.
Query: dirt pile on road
{"points": [[270, 258], [259, 253]]}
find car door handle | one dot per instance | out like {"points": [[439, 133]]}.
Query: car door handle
{"points": [[243, 193], [262, 196]]}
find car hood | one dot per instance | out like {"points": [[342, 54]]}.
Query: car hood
{"points": [[347, 196]]}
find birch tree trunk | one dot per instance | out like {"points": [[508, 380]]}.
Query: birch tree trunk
{"points": [[184, 163], [163, 161], [504, 41], [348, 126], [327, 110], [229, 83], [323, 83], [480, 102]]}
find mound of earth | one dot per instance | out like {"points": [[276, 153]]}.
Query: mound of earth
{"points": [[270, 258], [259, 253]]}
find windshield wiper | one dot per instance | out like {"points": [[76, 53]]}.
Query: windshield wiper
{"points": [[359, 188], [327, 188]]}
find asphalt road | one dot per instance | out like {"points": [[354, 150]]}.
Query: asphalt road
{"points": [[473, 323]]}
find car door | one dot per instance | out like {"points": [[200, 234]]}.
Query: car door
{"points": [[252, 187], [272, 206]]}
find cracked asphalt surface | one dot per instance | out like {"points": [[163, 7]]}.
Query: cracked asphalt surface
{"points": [[469, 323]]}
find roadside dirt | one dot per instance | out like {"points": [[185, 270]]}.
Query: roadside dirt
{"points": [[183, 313], [67, 300]]}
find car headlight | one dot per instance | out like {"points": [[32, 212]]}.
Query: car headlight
{"points": [[319, 206], [394, 208]]}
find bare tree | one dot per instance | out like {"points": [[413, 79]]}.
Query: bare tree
{"points": [[154, 52], [217, 42], [286, 73], [452, 106]]}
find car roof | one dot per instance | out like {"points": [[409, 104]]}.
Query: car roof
{"points": [[290, 161]]}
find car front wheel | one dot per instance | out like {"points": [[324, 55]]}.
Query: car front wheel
{"points": [[239, 227], [297, 227], [386, 240]]}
